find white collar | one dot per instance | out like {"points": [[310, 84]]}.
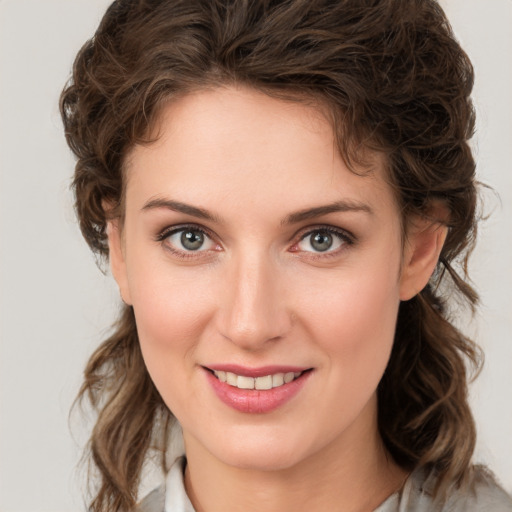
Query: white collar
{"points": [[176, 499]]}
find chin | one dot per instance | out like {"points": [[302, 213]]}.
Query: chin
{"points": [[260, 460], [267, 452]]}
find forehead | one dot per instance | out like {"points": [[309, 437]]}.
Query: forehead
{"points": [[241, 146]]}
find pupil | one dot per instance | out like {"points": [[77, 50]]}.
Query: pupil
{"points": [[321, 241], [192, 240]]}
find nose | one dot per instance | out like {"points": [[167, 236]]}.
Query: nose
{"points": [[252, 308]]}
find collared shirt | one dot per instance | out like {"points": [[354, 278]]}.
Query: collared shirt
{"points": [[416, 495]]}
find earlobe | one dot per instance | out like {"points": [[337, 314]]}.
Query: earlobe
{"points": [[117, 259], [421, 254]]}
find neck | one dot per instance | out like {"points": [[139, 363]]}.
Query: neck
{"points": [[354, 474]]}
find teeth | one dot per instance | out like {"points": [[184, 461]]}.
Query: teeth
{"points": [[288, 377], [244, 382], [263, 382], [277, 380], [267, 382]]}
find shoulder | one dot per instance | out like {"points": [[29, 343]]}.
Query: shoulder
{"points": [[481, 494], [153, 502]]}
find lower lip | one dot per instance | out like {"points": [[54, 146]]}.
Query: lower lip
{"points": [[256, 401]]}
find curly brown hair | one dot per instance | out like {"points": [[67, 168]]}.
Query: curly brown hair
{"points": [[394, 80]]}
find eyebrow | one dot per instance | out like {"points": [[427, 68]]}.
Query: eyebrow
{"points": [[293, 218], [178, 206], [318, 211]]}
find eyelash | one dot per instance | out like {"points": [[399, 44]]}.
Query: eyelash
{"points": [[167, 232], [346, 238]]}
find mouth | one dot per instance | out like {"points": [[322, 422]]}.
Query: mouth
{"points": [[256, 390], [264, 382]]}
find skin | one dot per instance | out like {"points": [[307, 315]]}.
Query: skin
{"points": [[258, 293]]}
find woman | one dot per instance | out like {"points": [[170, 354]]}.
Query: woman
{"points": [[282, 189]]}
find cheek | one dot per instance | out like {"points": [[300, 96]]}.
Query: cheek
{"points": [[170, 310], [355, 323], [170, 302], [164, 313]]}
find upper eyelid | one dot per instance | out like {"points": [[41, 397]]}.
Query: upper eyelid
{"points": [[169, 230], [184, 254], [304, 232]]}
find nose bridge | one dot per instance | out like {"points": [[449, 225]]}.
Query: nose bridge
{"points": [[254, 309]]}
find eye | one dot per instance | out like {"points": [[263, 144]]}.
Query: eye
{"points": [[322, 240], [187, 239]]}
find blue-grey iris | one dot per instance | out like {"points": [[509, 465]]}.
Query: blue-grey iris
{"points": [[321, 241], [192, 240]]}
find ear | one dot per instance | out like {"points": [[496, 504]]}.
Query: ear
{"points": [[425, 239], [117, 258]]}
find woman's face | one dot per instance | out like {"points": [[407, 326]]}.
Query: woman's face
{"points": [[251, 254]]}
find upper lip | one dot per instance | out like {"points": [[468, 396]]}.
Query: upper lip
{"points": [[259, 371]]}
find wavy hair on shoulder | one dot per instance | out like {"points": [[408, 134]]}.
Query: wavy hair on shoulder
{"points": [[395, 80]]}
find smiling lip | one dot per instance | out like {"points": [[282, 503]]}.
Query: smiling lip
{"points": [[255, 372], [257, 400]]}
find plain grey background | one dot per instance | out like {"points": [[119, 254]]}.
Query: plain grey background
{"points": [[55, 305]]}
